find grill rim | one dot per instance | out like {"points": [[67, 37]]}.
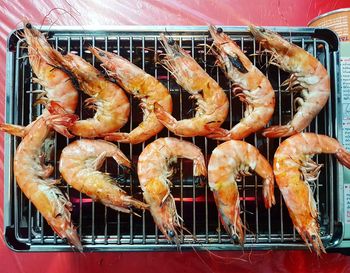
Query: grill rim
{"points": [[10, 142]]}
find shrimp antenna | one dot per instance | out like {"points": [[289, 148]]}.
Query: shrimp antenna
{"points": [[73, 13], [167, 32], [85, 42], [64, 12], [227, 260]]}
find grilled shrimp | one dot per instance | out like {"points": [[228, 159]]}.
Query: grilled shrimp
{"points": [[106, 98], [307, 76], [294, 168], [142, 86], [79, 165], [58, 85], [249, 84], [153, 172], [212, 102], [32, 175], [228, 163]]}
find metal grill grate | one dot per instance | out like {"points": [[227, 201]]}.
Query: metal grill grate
{"points": [[104, 229]]}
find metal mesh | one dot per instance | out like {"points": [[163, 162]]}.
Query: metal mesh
{"points": [[102, 228]]}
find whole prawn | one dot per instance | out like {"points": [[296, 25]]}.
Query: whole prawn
{"points": [[307, 76], [142, 86], [294, 168], [229, 162], [153, 172], [58, 85], [79, 165], [32, 175], [212, 102], [106, 98], [249, 84]]}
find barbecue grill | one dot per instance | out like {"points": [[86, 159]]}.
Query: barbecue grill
{"points": [[103, 229]]}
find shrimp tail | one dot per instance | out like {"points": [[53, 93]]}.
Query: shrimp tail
{"points": [[279, 131], [164, 117], [117, 137], [344, 157], [130, 201], [200, 170], [214, 126], [15, 130], [268, 193], [59, 119], [218, 133], [124, 161]]}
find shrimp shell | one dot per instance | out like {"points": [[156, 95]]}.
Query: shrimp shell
{"points": [[153, 172], [140, 85], [212, 102], [79, 165], [250, 85], [58, 85], [229, 162], [106, 98], [294, 169], [32, 176], [308, 76]]}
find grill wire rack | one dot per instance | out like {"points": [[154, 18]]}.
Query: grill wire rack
{"points": [[103, 229]]}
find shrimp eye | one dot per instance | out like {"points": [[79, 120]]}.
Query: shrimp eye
{"points": [[58, 215], [171, 41], [262, 29], [219, 30], [171, 233], [28, 25], [102, 54], [313, 237], [234, 238]]}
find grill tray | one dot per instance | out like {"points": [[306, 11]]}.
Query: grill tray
{"points": [[102, 229]]}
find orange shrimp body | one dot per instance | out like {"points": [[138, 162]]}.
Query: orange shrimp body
{"points": [[153, 172], [32, 176], [107, 99], [293, 168], [307, 76], [212, 102], [228, 163], [250, 85], [142, 86], [79, 165], [57, 84]]}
